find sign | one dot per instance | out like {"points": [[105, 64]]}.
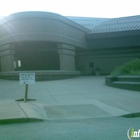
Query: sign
{"points": [[27, 78]]}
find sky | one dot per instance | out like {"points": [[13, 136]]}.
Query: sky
{"points": [[82, 8]]}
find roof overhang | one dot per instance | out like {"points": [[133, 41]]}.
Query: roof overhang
{"points": [[114, 39]]}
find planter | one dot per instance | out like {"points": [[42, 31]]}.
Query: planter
{"points": [[97, 71]]}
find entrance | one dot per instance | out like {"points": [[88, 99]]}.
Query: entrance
{"points": [[37, 57]]}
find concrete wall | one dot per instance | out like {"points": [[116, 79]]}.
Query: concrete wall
{"points": [[41, 26], [106, 60], [116, 39], [7, 58], [106, 65], [66, 57], [7, 63]]}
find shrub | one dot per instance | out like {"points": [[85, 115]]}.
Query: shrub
{"points": [[130, 68]]}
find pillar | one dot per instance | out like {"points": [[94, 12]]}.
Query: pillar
{"points": [[7, 58], [66, 57]]}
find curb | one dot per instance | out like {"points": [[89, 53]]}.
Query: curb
{"points": [[131, 115], [19, 120], [124, 82]]}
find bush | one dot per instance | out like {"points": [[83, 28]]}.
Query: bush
{"points": [[129, 68]]}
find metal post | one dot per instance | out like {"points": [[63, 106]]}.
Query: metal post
{"points": [[26, 92]]}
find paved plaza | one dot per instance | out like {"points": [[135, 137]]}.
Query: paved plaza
{"points": [[75, 98]]}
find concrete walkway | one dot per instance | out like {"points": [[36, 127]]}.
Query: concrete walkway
{"points": [[82, 97]]}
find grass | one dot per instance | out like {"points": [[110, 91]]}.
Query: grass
{"points": [[130, 68]]}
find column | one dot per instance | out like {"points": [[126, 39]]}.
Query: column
{"points": [[66, 56], [7, 57]]}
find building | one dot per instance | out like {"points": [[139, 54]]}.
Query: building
{"points": [[42, 41]]}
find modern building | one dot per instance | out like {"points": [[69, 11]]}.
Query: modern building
{"points": [[42, 41]]}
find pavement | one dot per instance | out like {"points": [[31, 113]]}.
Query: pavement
{"points": [[75, 98]]}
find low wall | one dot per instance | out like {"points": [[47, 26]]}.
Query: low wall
{"points": [[41, 75], [124, 82]]}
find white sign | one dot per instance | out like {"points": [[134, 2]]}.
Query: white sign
{"points": [[27, 78]]}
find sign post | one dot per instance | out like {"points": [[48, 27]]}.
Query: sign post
{"points": [[26, 79], [26, 92]]}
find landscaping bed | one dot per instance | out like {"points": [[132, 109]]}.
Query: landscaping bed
{"points": [[126, 76]]}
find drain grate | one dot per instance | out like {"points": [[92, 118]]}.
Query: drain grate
{"points": [[74, 111]]}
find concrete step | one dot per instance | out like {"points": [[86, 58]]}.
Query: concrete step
{"points": [[124, 82], [126, 85], [129, 78]]}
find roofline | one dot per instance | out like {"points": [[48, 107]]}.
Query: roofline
{"points": [[42, 14]]}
